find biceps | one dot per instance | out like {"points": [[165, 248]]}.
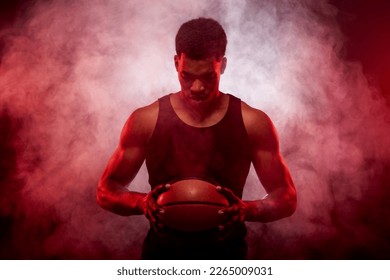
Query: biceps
{"points": [[124, 164], [271, 170]]}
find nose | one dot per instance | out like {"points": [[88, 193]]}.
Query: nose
{"points": [[197, 85]]}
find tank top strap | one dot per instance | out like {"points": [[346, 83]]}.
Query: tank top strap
{"points": [[234, 108], [166, 113], [233, 115], [165, 107]]}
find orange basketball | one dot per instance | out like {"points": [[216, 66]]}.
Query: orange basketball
{"points": [[191, 205]]}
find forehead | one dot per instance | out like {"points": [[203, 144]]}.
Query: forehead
{"points": [[197, 66]]}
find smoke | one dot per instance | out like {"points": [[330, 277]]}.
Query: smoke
{"points": [[72, 71]]}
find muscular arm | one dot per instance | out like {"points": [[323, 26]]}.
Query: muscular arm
{"points": [[112, 193], [273, 173]]}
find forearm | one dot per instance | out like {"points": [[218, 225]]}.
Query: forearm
{"points": [[279, 204], [118, 199]]}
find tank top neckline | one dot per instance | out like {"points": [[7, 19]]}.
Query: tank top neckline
{"points": [[230, 101]]}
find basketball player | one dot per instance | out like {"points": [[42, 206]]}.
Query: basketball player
{"points": [[199, 132]]}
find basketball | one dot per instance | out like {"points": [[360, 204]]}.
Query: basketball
{"points": [[191, 205]]}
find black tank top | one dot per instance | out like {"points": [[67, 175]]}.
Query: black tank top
{"points": [[219, 153]]}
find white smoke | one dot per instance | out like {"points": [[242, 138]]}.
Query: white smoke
{"points": [[75, 70]]}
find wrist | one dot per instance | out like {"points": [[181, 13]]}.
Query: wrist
{"points": [[253, 210], [140, 205], [248, 211]]}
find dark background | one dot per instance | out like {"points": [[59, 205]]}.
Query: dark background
{"points": [[366, 28]]}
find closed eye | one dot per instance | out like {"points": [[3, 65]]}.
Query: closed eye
{"points": [[185, 75], [209, 76]]}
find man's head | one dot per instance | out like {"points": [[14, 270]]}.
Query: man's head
{"points": [[200, 58], [201, 38]]}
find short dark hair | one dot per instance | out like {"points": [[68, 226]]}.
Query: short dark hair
{"points": [[201, 38]]}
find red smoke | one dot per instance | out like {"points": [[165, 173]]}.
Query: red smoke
{"points": [[71, 73]]}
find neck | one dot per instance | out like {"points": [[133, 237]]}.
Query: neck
{"points": [[200, 111]]}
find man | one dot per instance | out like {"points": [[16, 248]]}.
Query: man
{"points": [[199, 132]]}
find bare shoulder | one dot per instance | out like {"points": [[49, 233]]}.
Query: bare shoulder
{"points": [[146, 115], [259, 126], [255, 120], [140, 125]]}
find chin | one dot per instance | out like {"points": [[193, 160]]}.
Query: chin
{"points": [[200, 98]]}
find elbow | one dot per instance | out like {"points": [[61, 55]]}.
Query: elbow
{"points": [[291, 209], [99, 198], [291, 205], [102, 198]]}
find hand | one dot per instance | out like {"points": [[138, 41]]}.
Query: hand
{"points": [[232, 216], [151, 209]]}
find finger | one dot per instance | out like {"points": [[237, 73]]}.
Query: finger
{"points": [[228, 211], [223, 235], [160, 189], [151, 217], [228, 218], [155, 210], [152, 210], [225, 220], [153, 196], [155, 227], [156, 223], [222, 217], [233, 221], [155, 218], [230, 196], [224, 230]]}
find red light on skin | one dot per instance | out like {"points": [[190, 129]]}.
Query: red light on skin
{"points": [[69, 82], [199, 79]]}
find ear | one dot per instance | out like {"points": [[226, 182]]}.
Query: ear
{"points": [[176, 59], [223, 64]]}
